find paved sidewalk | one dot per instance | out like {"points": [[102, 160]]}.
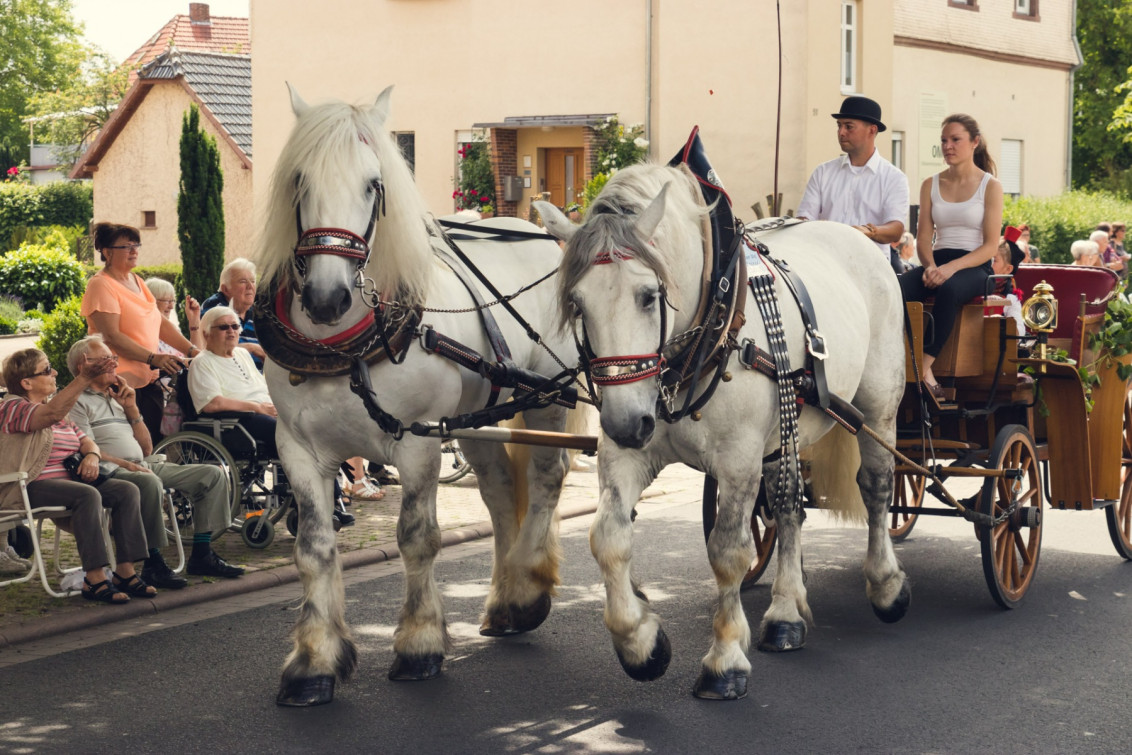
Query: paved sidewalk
{"points": [[27, 613]]}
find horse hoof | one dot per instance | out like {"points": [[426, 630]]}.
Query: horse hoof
{"points": [[730, 685], [494, 627], [899, 607], [782, 636], [657, 663], [527, 618], [407, 668], [306, 692]]}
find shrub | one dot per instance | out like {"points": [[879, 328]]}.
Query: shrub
{"points": [[8, 326], [41, 275], [60, 330], [38, 234], [475, 187], [20, 204], [11, 307], [60, 203], [1056, 222]]}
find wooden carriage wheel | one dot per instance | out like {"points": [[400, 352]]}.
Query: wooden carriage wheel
{"points": [[909, 492], [1119, 515], [763, 530], [1011, 547]]}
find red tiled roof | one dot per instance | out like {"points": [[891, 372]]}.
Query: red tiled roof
{"points": [[224, 34]]}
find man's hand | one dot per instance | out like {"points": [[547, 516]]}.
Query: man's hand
{"points": [[89, 369], [88, 468], [130, 466], [124, 394], [869, 230]]}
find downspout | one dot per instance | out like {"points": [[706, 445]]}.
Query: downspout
{"points": [[648, 73], [1072, 108]]}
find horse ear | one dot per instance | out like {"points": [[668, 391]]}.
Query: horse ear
{"points": [[298, 106], [652, 215], [557, 224], [381, 105]]}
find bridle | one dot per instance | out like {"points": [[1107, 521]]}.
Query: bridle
{"points": [[339, 242]]}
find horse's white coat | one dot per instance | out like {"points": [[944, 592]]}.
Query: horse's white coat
{"points": [[857, 302], [329, 165]]}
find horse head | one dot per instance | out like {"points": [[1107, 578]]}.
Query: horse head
{"points": [[622, 268], [338, 187]]}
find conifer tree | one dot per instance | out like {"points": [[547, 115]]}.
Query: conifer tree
{"points": [[200, 209]]}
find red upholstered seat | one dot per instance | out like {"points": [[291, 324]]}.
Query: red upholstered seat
{"points": [[1069, 282]]}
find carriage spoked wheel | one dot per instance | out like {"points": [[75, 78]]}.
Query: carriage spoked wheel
{"points": [[909, 492], [1011, 547], [1119, 515], [763, 530], [197, 448]]}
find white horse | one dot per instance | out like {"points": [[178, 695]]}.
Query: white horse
{"points": [[640, 248], [343, 198]]}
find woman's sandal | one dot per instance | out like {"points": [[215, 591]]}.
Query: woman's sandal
{"points": [[104, 592], [933, 393], [134, 587]]}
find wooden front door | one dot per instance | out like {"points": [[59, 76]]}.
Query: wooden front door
{"points": [[565, 175]]}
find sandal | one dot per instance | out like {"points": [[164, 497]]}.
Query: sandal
{"points": [[134, 586], [364, 490], [103, 592]]}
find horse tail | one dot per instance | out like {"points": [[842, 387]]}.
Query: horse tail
{"points": [[835, 459], [579, 421]]}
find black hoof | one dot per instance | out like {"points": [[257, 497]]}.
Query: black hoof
{"points": [[306, 692], [899, 607], [782, 636], [730, 685], [657, 663], [526, 618], [407, 668], [495, 626]]}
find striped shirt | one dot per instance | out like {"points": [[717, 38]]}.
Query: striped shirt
{"points": [[15, 417]]}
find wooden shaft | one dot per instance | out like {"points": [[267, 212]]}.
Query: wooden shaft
{"points": [[586, 443]]}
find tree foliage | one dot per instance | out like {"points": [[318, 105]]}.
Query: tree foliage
{"points": [[1104, 31], [200, 208], [37, 53]]}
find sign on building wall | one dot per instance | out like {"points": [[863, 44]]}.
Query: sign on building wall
{"points": [[933, 109]]}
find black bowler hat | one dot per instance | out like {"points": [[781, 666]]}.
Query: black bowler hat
{"points": [[861, 109]]}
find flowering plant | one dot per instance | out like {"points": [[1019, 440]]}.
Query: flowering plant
{"points": [[17, 174], [475, 186], [616, 147]]}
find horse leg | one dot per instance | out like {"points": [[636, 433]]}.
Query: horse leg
{"points": [[725, 669], [784, 623], [323, 648], [641, 644], [421, 639], [886, 584]]}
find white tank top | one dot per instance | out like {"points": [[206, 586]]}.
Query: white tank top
{"points": [[958, 225]]}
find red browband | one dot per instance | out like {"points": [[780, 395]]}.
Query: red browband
{"points": [[626, 369], [606, 258]]}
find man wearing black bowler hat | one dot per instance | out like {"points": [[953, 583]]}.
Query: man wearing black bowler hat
{"points": [[859, 188]]}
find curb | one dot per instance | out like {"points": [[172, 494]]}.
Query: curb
{"points": [[260, 580]]}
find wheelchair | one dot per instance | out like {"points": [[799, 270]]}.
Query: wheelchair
{"points": [[257, 485]]}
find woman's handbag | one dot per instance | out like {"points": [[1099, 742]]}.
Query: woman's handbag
{"points": [[72, 462]]}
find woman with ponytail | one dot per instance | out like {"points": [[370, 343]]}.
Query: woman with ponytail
{"points": [[958, 233]]}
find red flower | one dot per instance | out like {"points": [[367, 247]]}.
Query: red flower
{"points": [[14, 170]]}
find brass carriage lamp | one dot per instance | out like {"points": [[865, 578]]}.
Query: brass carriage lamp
{"points": [[1039, 312]]}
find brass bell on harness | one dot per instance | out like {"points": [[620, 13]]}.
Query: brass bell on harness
{"points": [[726, 377], [296, 379], [697, 416]]}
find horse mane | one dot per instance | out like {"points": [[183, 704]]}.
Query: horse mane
{"points": [[611, 223], [326, 146]]}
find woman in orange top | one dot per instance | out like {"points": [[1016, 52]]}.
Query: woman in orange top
{"points": [[118, 306]]}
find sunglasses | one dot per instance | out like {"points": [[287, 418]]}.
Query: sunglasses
{"points": [[227, 326], [48, 370], [125, 246]]}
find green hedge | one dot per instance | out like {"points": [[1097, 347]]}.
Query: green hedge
{"points": [[41, 275], [1056, 222], [60, 203], [61, 329]]}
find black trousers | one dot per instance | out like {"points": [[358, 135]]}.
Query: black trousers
{"points": [[949, 298], [151, 404]]}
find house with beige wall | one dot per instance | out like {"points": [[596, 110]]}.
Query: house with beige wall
{"points": [[136, 160], [533, 77]]}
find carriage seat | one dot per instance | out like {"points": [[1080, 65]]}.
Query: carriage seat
{"points": [[1082, 295]]}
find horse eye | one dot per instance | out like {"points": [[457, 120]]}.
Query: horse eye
{"points": [[648, 299]]}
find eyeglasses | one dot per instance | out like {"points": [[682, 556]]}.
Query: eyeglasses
{"points": [[125, 246], [166, 301], [227, 326], [48, 370]]}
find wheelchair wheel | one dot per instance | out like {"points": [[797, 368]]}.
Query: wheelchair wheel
{"points": [[197, 448], [453, 465], [258, 531]]}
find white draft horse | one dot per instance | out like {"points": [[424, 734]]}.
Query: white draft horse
{"points": [[344, 197], [640, 249]]}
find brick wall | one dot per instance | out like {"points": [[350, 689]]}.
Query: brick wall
{"points": [[504, 162], [589, 141]]}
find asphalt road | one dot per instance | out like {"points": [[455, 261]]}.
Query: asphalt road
{"points": [[957, 675]]}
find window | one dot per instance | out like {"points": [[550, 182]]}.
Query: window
{"points": [[849, 17], [1026, 9], [149, 218], [898, 149], [407, 142], [968, 4], [1010, 167]]}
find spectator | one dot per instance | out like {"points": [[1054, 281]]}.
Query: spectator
{"points": [[36, 437], [1108, 256], [859, 188], [1117, 242], [107, 411], [1029, 250], [223, 379], [166, 299], [237, 290], [960, 218], [119, 307], [1006, 260], [903, 253], [1085, 252]]}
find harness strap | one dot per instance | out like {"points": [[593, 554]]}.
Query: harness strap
{"points": [[815, 341], [506, 234]]}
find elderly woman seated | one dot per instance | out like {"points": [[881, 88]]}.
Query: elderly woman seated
{"points": [[1086, 252], [223, 378], [36, 437]]}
